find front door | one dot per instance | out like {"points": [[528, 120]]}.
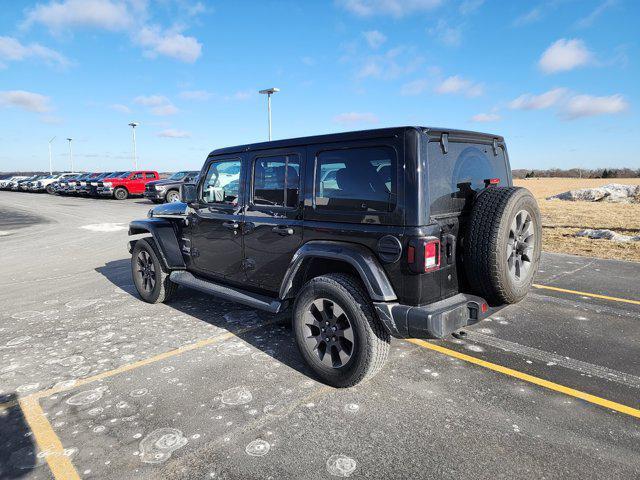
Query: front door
{"points": [[216, 233], [273, 219]]}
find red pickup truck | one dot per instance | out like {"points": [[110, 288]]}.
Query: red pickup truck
{"points": [[129, 183]]}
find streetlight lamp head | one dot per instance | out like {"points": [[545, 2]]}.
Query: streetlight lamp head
{"points": [[134, 124], [269, 91], [69, 139]]}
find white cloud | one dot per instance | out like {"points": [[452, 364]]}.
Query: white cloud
{"points": [[171, 133], [485, 117], [392, 64], [11, 50], [586, 22], [164, 110], [374, 38], [469, 6], [395, 8], [199, 95], [355, 117], [32, 102], [450, 36], [587, 106], [564, 55], [151, 100], [415, 87], [169, 43], [159, 104], [118, 107], [529, 17], [571, 106], [120, 16], [459, 85], [538, 102], [103, 14]]}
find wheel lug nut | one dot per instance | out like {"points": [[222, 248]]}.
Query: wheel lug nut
{"points": [[324, 329], [334, 339]]}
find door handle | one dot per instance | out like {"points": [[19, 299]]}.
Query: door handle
{"points": [[231, 225], [282, 230]]}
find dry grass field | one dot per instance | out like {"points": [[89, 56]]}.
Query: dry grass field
{"points": [[562, 219]]}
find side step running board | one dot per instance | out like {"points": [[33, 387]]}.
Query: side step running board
{"points": [[262, 302]]}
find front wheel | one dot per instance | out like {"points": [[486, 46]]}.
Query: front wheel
{"points": [[50, 189], [151, 280], [337, 331], [173, 196], [120, 193]]}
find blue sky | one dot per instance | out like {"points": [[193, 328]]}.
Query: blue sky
{"points": [[558, 78]]}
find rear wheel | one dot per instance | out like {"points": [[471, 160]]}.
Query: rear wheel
{"points": [[120, 193], [503, 244], [173, 196], [50, 189], [151, 280], [337, 332]]}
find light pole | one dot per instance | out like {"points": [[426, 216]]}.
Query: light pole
{"points": [[70, 153], [133, 126], [50, 162], [268, 92]]}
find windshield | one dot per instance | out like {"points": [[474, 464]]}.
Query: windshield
{"points": [[178, 176]]}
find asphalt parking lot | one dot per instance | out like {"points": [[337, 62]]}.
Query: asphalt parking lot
{"points": [[94, 383]]}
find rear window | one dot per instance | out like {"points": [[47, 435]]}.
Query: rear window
{"points": [[455, 176], [356, 179]]}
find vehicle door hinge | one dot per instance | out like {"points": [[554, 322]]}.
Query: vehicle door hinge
{"points": [[444, 142], [195, 252]]}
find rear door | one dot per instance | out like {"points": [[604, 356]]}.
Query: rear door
{"points": [[273, 218], [459, 168], [216, 224]]}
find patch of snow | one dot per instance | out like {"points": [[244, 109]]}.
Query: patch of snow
{"points": [[605, 234], [613, 192], [105, 227]]}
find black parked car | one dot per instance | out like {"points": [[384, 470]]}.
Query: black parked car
{"points": [[403, 232], [168, 189]]}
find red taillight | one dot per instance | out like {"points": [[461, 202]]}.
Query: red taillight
{"points": [[491, 181], [432, 255], [484, 307], [423, 254]]}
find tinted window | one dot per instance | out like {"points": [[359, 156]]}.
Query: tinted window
{"points": [[150, 175], [356, 179], [222, 182], [455, 176], [276, 181], [137, 176]]}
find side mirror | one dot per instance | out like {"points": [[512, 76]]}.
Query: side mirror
{"points": [[188, 192]]}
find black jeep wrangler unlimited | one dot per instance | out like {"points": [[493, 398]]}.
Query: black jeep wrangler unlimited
{"points": [[397, 232]]}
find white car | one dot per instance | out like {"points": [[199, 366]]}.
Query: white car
{"points": [[46, 184], [7, 182]]}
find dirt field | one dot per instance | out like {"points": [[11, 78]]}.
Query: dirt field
{"points": [[562, 219]]}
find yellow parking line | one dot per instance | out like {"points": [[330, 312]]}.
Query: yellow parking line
{"points": [[47, 440], [587, 294], [531, 379]]}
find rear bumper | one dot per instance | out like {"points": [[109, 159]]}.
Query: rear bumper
{"points": [[436, 320]]}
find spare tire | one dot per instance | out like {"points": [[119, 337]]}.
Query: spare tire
{"points": [[503, 244]]}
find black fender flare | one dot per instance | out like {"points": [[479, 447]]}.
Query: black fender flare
{"points": [[361, 258], [164, 234]]}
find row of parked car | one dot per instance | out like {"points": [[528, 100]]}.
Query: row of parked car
{"points": [[118, 185]]}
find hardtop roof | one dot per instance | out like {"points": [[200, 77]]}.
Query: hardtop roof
{"points": [[353, 135]]}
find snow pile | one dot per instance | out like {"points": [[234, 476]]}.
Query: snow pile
{"points": [[607, 235], [105, 227], [613, 192]]}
